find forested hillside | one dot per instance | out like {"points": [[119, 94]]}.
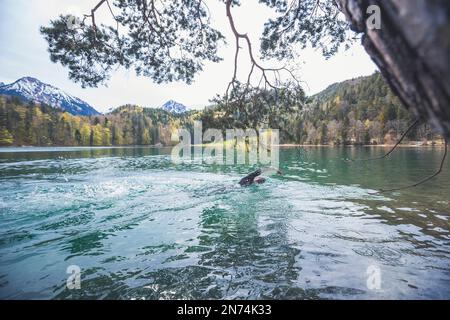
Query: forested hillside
{"points": [[41, 125], [357, 111]]}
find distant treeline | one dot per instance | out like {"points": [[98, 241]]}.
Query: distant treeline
{"points": [[353, 112], [358, 111], [40, 125]]}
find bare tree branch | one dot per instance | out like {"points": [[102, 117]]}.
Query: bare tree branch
{"points": [[92, 15], [426, 179], [238, 35], [412, 126]]}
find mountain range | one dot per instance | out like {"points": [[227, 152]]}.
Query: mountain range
{"points": [[32, 89], [357, 111], [174, 107]]}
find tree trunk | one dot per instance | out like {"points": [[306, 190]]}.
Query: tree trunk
{"points": [[412, 51]]}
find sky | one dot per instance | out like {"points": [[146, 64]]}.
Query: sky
{"points": [[23, 52]]}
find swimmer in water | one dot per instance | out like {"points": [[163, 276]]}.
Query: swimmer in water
{"points": [[255, 176]]}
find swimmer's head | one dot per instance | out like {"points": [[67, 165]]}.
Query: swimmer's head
{"points": [[259, 180]]}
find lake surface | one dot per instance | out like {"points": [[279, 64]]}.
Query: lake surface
{"points": [[140, 227]]}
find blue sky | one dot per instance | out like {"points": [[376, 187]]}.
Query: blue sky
{"points": [[24, 53]]}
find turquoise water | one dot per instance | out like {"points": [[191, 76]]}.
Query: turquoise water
{"points": [[140, 227]]}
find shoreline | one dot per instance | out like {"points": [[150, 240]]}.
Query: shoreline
{"points": [[408, 144], [288, 145], [283, 145]]}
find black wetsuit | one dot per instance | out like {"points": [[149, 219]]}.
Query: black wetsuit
{"points": [[249, 179]]}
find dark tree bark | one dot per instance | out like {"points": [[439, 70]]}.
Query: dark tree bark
{"points": [[412, 50]]}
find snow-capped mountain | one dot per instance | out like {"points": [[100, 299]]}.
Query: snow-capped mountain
{"points": [[110, 110], [175, 107], [32, 89]]}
